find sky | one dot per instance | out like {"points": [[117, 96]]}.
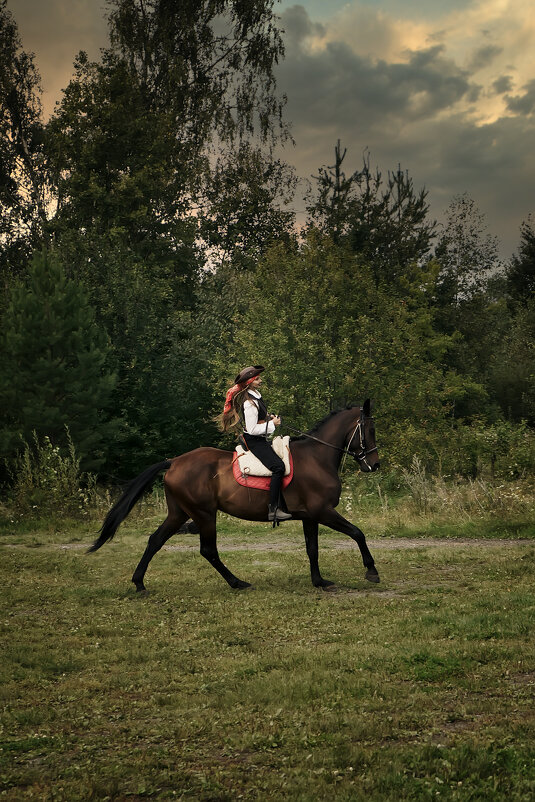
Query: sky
{"points": [[445, 88]]}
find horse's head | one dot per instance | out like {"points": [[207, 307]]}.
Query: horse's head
{"points": [[362, 442]]}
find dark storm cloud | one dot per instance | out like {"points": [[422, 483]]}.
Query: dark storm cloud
{"points": [[335, 81], [419, 112], [523, 104], [494, 163], [298, 25], [484, 56], [503, 84]]}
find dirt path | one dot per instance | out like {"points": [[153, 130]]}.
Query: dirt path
{"points": [[347, 543], [294, 542]]}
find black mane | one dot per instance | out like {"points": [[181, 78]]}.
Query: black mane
{"points": [[320, 423]]}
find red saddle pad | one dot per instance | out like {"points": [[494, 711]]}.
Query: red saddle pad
{"points": [[258, 482]]}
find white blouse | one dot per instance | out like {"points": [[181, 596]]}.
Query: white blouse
{"points": [[250, 411]]}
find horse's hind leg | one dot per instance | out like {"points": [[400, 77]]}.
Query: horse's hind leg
{"points": [[208, 537], [169, 527], [310, 528], [334, 520]]}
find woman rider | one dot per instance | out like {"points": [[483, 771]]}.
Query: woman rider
{"points": [[245, 406]]}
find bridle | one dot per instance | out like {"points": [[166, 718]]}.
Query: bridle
{"points": [[360, 455]]}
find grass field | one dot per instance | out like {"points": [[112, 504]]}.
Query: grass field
{"points": [[419, 688]]}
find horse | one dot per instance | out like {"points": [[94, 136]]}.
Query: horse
{"points": [[201, 482]]}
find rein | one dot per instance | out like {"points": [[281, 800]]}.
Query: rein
{"points": [[360, 456]]}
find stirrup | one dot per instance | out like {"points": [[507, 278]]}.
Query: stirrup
{"points": [[276, 515]]}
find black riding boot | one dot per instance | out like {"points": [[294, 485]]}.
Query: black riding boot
{"points": [[274, 514]]}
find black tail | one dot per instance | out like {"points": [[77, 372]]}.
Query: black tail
{"points": [[131, 495]]}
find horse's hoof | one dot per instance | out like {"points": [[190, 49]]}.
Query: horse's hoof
{"points": [[329, 587], [372, 575], [142, 592], [241, 585]]}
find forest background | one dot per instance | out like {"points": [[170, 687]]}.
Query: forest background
{"points": [[149, 250]]}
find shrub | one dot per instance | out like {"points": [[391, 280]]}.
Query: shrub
{"points": [[47, 480]]}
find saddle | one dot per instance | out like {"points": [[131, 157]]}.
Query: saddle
{"points": [[249, 471]]}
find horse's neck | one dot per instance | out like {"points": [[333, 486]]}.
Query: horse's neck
{"points": [[337, 429]]}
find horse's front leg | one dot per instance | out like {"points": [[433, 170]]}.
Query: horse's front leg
{"points": [[310, 528], [329, 517], [208, 536]]}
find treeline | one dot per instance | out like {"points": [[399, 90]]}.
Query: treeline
{"points": [[148, 251]]}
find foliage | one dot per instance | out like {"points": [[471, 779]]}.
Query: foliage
{"points": [[245, 204], [329, 336], [130, 142], [512, 367], [53, 366], [466, 252], [144, 205], [469, 298], [521, 271], [23, 179], [47, 481], [385, 223]]}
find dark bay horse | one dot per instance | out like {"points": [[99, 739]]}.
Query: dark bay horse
{"points": [[201, 482]]}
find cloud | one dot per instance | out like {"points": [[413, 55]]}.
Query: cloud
{"points": [[484, 56], [523, 104], [299, 26], [446, 89], [434, 95], [502, 84], [336, 82]]}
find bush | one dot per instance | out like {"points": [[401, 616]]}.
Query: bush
{"points": [[45, 480], [500, 450]]}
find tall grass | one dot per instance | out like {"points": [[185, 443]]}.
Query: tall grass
{"points": [[45, 479], [414, 500]]}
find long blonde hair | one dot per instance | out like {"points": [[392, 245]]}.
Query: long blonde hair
{"points": [[228, 421]]}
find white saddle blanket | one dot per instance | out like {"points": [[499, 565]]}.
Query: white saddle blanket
{"points": [[251, 465]]}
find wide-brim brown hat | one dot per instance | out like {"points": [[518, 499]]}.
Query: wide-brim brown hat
{"points": [[248, 373]]}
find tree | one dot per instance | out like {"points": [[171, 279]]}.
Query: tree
{"points": [[244, 209], [520, 274], [466, 252], [132, 151], [54, 366], [22, 170], [315, 318], [386, 223], [512, 367], [132, 139], [469, 304]]}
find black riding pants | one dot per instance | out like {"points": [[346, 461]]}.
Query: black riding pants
{"points": [[263, 451]]}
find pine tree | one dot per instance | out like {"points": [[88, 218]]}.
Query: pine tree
{"points": [[53, 369], [385, 222], [521, 271]]}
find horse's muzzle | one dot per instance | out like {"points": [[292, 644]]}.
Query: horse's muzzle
{"points": [[376, 466]]}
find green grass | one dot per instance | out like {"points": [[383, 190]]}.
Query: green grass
{"points": [[420, 688]]}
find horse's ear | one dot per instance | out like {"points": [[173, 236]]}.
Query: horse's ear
{"points": [[367, 407]]}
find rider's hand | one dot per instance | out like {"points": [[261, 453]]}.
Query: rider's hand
{"points": [[276, 420]]}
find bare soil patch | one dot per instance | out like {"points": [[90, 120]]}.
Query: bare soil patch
{"points": [[290, 545]]}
